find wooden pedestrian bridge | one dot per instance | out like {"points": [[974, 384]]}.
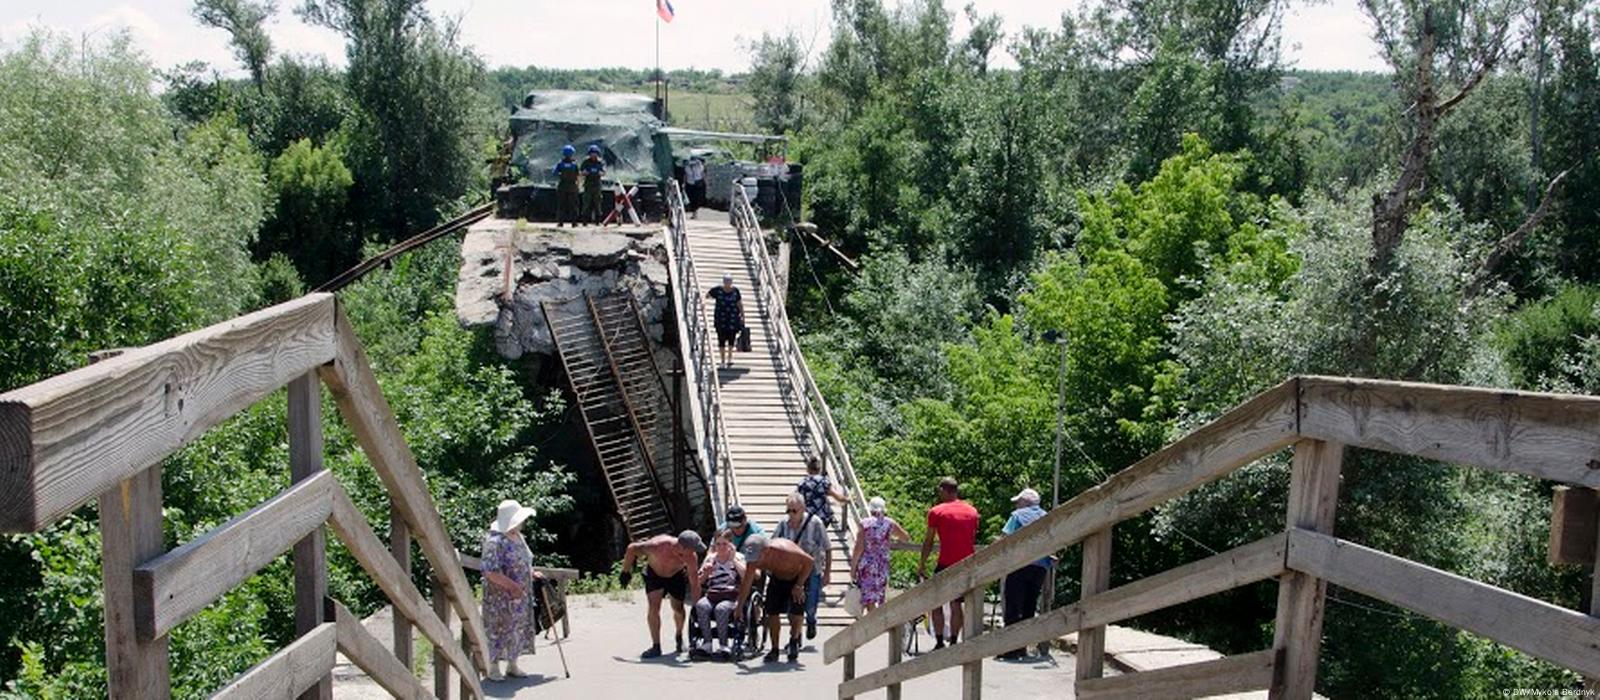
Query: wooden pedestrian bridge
{"points": [[101, 433]]}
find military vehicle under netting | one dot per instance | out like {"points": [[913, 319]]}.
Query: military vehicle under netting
{"points": [[638, 148]]}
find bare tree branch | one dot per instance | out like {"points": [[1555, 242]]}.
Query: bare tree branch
{"points": [[1507, 244]]}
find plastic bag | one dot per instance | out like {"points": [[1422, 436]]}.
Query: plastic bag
{"points": [[852, 601]]}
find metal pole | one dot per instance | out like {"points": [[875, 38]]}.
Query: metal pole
{"points": [[1055, 481]]}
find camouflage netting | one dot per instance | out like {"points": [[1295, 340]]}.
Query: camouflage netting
{"points": [[621, 124]]}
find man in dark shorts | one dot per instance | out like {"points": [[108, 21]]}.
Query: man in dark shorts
{"points": [[727, 317], [786, 566], [671, 563], [954, 523]]}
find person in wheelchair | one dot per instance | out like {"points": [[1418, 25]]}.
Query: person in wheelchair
{"points": [[719, 579]]}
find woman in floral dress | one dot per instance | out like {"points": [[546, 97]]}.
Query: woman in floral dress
{"points": [[869, 561], [508, 606]]}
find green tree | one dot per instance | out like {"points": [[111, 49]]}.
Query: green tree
{"points": [[413, 140], [310, 224], [243, 20], [776, 67]]}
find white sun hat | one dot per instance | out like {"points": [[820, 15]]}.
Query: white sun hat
{"points": [[510, 515], [1026, 497]]}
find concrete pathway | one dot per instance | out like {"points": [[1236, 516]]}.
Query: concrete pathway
{"points": [[608, 633]]}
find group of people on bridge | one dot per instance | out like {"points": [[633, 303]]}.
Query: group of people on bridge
{"points": [[753, 575]]}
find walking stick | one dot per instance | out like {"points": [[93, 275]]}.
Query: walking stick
{"points": [[549, 614]]}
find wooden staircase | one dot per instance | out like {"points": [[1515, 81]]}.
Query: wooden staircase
{"points": [[768, 435], [627, 410]]}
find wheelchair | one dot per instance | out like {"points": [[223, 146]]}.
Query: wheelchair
{"points": [[746, 638]]}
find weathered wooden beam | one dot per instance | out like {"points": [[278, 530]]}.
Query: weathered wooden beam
{"points": [[1548, 436], [175, 585], [1254, 429], [1574, 520], [291, 671], [554, 573], [304, 404], [1230, 674], [441, 665], [400, 546], [1089, 661], [1257, 561], [131, 533], [1240, 566], [1558, 635], [363, 543], [972, 670], [1297, 631], [897, 646], [1048, 626], [361, 402], [71, 437], [366, 652]]}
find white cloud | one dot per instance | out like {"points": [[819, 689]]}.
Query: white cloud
{"points": [[596, 33], [1331, 36]]}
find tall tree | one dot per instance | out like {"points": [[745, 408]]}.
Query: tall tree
{"points": [[414, 88], [243, 20], [774, 82]]}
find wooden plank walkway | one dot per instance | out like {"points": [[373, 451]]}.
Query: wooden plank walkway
{"points": [[767, 439]]}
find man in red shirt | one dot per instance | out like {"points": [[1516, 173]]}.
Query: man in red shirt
{"points": [[954, 523]]}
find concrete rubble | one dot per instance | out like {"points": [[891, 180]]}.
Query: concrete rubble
{"points": [[549, 264]]}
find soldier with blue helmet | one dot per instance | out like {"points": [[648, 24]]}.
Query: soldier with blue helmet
{"points": [[566, 172], [593, 169]]}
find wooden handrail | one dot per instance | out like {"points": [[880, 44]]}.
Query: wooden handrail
{"points": [[812, 404], [395, 583], [1256, 428], [1547, 436], [360, 400], [68, 438], [106, 427], [694, 344]]}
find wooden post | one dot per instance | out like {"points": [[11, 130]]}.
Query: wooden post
{"points": [[972, 673], [463, 688], [310, 554], [400, 545], [130, 535], [1591, 685], [897, 646], [1297, 634], [1091, 656], [849, 671], [441, 665]]}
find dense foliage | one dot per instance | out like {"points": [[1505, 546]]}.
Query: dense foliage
{"points": [[1147, 220], [1156, 217], [128, 217]]}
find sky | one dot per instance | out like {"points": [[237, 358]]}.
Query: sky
{"points": [[1327, 35]]}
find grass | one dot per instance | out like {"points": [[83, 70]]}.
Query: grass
{"points": [[709, 110]]}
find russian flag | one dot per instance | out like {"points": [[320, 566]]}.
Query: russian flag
{"points": [[664, 9]]}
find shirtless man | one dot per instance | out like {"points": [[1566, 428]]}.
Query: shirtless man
{"points": [[669, 570], [787, 566]]}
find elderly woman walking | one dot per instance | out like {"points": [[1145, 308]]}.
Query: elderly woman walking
{"points": [[869, 560], [727, 317], [508, 605]]}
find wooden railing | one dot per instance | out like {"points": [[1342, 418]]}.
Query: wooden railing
{"points": [[795, 377], [102, 432], [698, 354], [1547, 436]]}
